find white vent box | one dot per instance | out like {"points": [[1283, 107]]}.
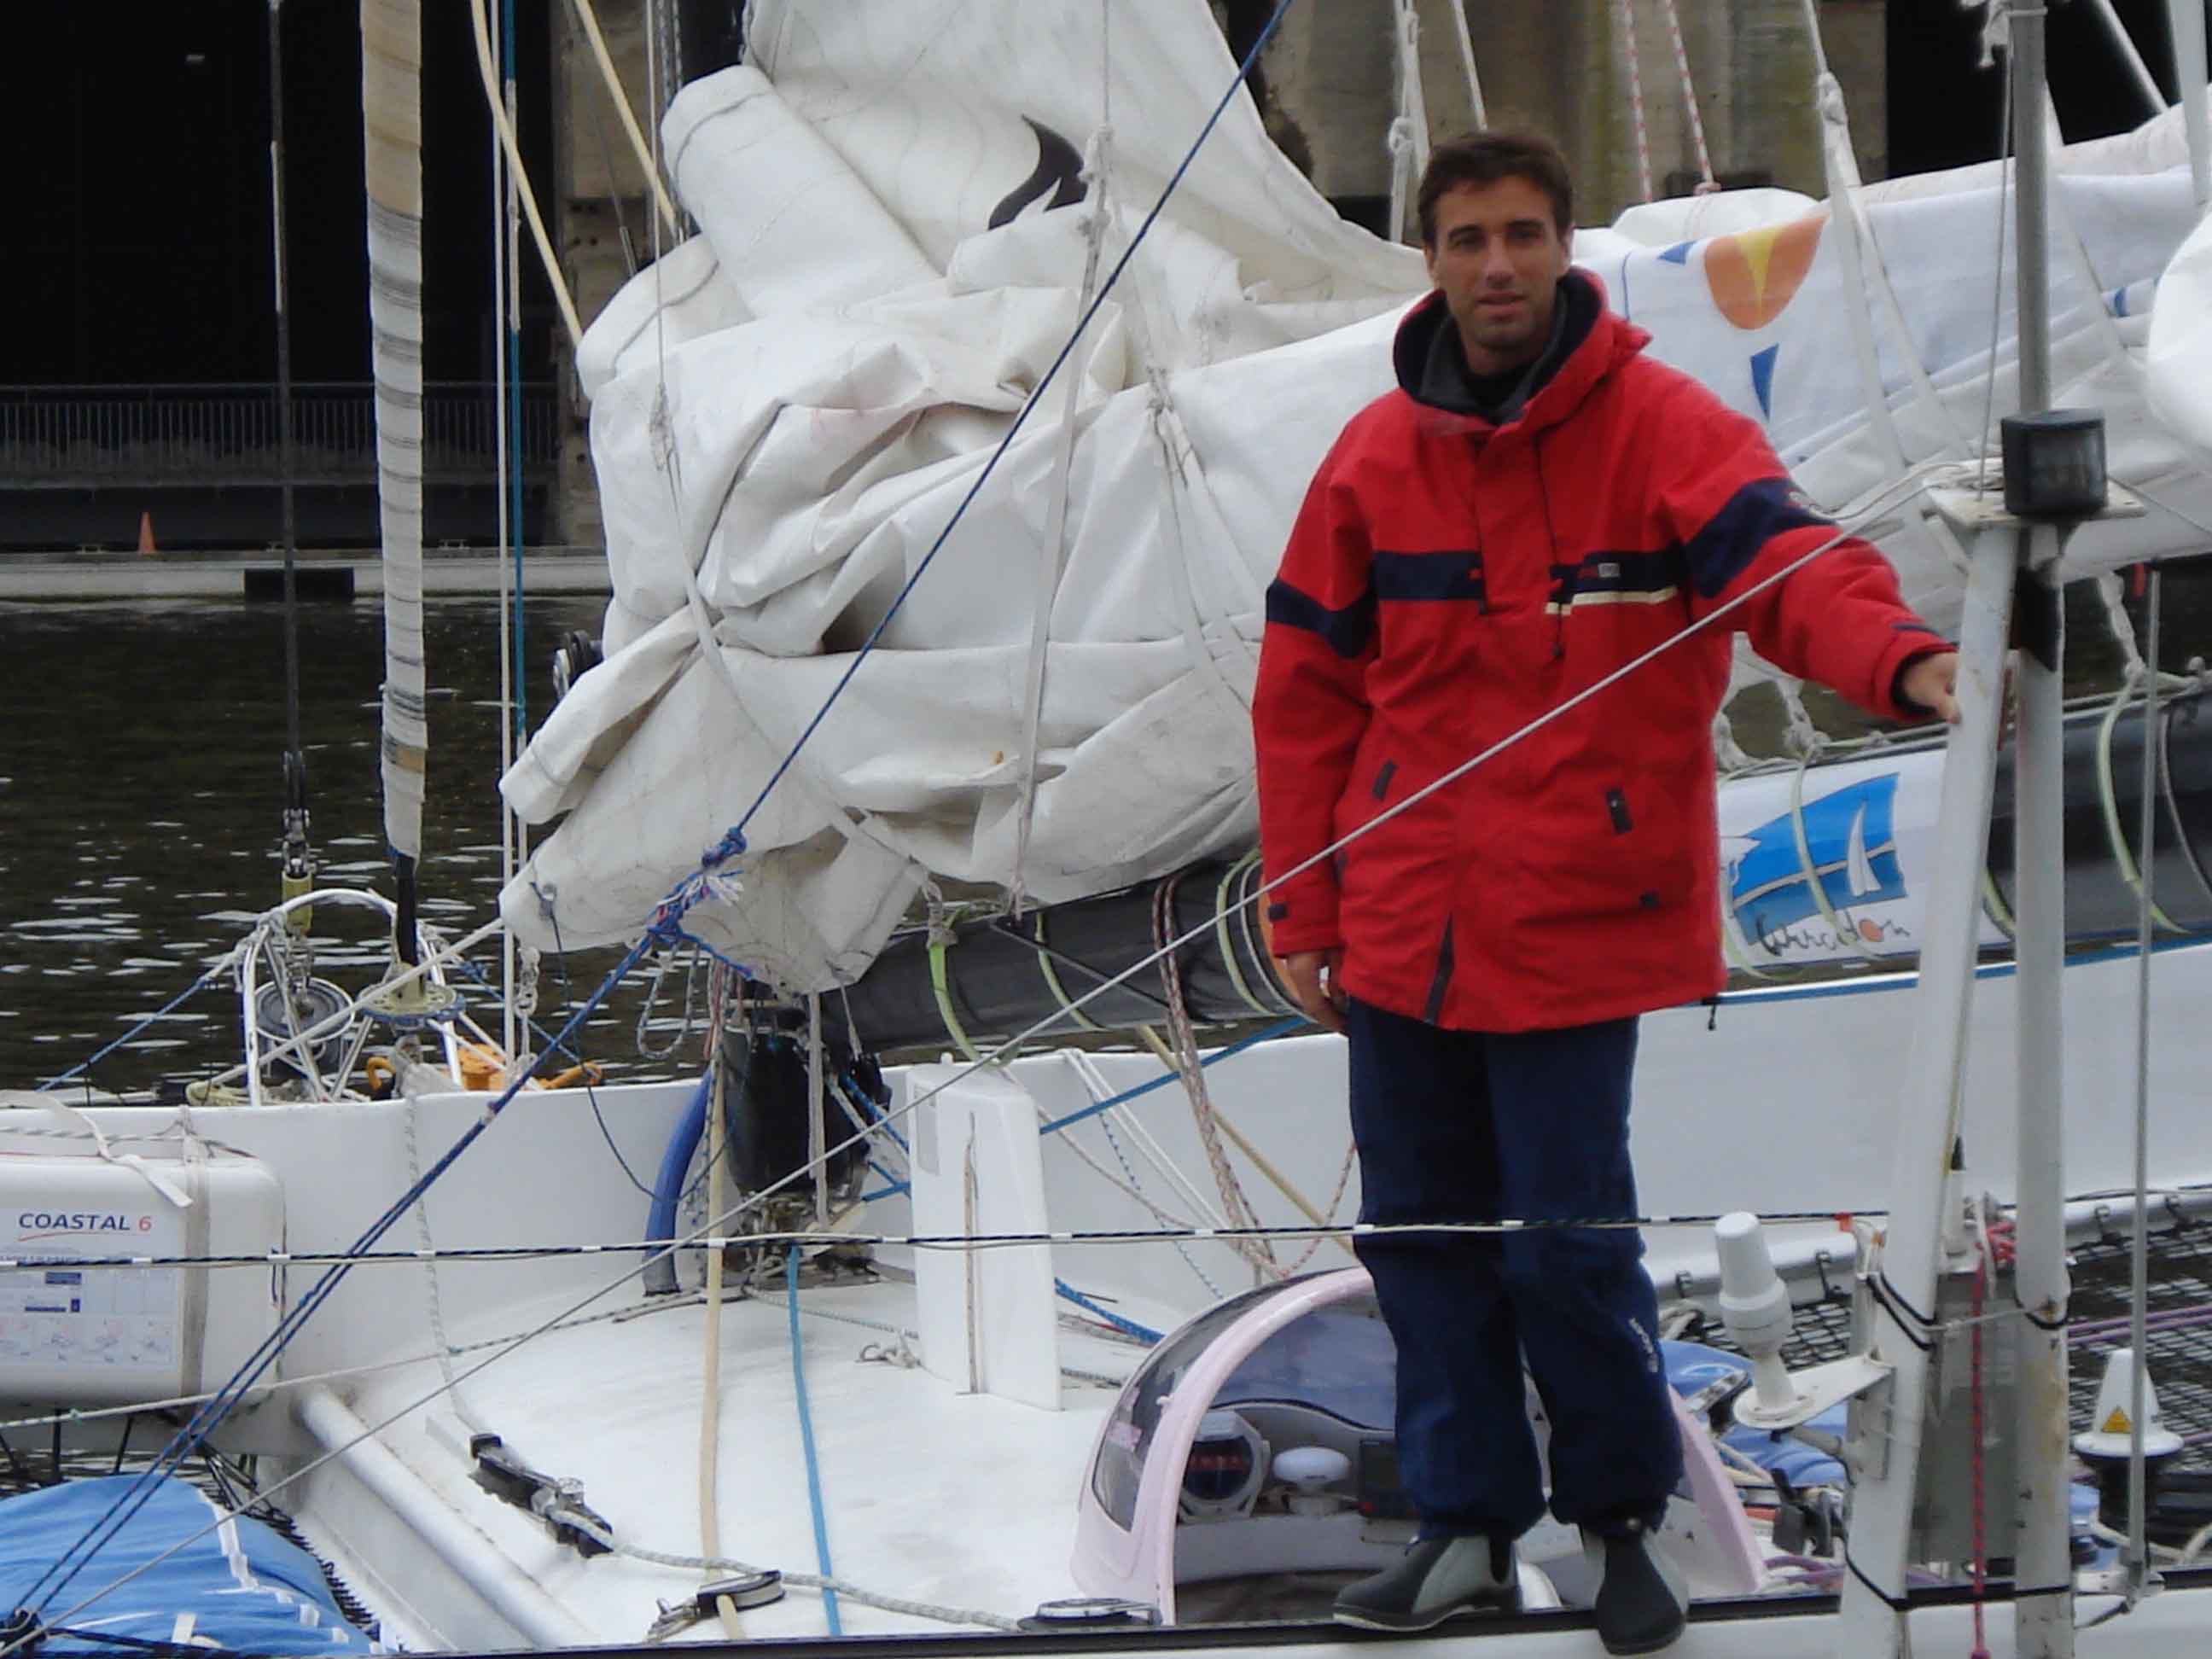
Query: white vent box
{"points": [[77, 1335]]}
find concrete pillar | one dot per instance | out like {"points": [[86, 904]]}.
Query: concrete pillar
{"points": [[604, 219]]}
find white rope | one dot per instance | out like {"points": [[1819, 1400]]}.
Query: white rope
{"points": [[645, 157], [1629, 57], [1802, 736], [1149, 1147], [429, 1250], [1458, 11], [1407, 139], [554, 278], [1051, 553], [814, 1581], [1689, 97]]}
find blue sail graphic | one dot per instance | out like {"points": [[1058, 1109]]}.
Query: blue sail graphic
{"points": [[1853, 844]]}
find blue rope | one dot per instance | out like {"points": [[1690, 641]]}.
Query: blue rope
{"points": [[1277, 1029], [806, 1440], [1021, 418], [140, 1027], [1127, 1326]]}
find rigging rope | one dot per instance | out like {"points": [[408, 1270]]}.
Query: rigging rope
{"points": [[1631, 60], [1021, 418], [1407, 139], [1690, 98], [1179, 1055], [1052, 555], [1458, 11], [554, 278]]}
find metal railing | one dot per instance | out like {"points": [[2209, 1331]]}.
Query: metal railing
{"points": [[73, 436]]}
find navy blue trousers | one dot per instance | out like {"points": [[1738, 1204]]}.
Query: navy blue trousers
{"points": [[1472, 1125]]}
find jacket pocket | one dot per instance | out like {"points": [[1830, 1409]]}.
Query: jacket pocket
{"points": [[1618, 850]]}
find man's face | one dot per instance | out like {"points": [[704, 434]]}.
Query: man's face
{"points": [[1498, 258]]}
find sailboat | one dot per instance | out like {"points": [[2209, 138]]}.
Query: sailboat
{"points": [[960, 1347]]}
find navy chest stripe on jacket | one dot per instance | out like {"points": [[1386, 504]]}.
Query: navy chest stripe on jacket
{"points": [[1617, 579], [1733, 536], [1455, 575]]}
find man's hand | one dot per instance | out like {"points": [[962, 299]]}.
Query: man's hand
{"points": [[1313, 979], [1933, 683]]}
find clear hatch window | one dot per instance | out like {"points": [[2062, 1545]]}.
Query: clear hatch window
{"points": [[1129, 1431]]}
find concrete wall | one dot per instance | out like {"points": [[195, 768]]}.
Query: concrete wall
{"points": [[1562, 66], [603, 203]]}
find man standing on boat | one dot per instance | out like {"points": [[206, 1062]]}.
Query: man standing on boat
{"points": [[1537, 504]]}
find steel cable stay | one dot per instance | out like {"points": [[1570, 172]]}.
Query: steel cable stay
{"points": [[665, 921]]}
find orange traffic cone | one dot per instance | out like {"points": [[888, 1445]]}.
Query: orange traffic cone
{"points": [[146, 533]]}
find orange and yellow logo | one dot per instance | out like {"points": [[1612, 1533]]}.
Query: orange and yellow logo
{"points": [[1754, 274]]}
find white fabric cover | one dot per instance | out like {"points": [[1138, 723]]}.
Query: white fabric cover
{"points": [[2181, 344], [788, 411]]}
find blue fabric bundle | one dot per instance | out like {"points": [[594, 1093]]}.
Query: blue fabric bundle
{"points": [[240, 1586]]}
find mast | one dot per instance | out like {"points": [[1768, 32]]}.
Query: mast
{"points": [[2044, 1571], [2014, 550]]}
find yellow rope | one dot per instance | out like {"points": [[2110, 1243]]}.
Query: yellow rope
{"points": [[1052, 982], [937, 983]]}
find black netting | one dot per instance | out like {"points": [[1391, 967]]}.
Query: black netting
{"points": [[2178, 1305]]}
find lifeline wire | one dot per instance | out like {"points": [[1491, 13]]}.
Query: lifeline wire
{"points": [[810, 1238], [691, 891]]}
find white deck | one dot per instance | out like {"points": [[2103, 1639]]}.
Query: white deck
{"points": [[932, 1494]]}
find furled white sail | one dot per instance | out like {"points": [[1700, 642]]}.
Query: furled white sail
{"points": [[788, 411], [392, 114]]}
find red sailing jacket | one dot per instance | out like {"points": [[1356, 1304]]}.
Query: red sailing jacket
{"points": [[1447, 582]]}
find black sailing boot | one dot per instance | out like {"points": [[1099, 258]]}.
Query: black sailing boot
{"points": [[1642, 1601], [1439, 1579]]}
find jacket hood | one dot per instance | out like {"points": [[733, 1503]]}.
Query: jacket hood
{"points": [[1588, 343]]}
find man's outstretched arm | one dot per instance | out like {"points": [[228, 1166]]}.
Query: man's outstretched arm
{"points": [[1730, 505]]}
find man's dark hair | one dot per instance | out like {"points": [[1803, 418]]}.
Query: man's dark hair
{"points": [[1484, 158]]}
